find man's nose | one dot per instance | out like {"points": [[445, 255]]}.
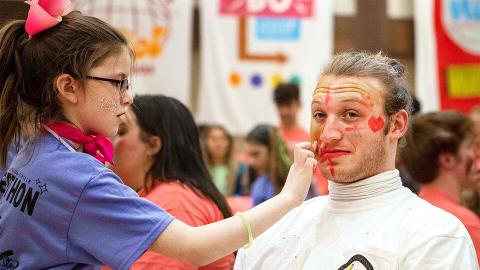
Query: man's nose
{"points": [[331, 131]]}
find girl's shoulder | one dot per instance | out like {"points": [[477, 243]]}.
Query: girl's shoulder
{"points": [[44, 157]]}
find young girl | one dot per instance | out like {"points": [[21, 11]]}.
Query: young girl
{"points": [[218, 152], [157, 151], [270, 160], [60, 206]]}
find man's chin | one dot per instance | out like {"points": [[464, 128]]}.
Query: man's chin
{"points": [[340, 177]]}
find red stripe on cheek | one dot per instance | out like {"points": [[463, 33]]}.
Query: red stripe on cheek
{"points": [[352, 129], [332, 169]]}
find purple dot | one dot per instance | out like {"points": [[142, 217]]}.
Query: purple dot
{"points": [[256, 80]]}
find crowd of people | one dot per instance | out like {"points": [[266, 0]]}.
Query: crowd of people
{"points": [[93, 177]]}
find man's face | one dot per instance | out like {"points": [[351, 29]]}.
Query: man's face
{"points": [[348, 123], [288, 112]]}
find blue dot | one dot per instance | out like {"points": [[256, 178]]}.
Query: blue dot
{"points": [[256, 80]]}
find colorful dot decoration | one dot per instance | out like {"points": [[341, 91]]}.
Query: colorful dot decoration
{"points": [[235, 79], [295, 79], [257, 80], [276, 79]]}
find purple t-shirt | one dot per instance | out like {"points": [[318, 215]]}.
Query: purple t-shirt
{"points": [[262, 190], [12, 152], [63, 210]]}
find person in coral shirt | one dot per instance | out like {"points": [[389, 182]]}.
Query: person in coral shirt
{"points": [[158, 154], [187, 205], [439, 155]]}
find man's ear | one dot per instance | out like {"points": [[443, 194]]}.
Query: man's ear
{"points": [[154, 145], [446, 161], [398, 124], [67, 88]]}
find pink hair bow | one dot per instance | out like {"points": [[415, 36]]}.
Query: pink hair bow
{"points": [[44, 14]]}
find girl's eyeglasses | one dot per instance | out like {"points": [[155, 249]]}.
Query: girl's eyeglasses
{"points": [[122, 85]]}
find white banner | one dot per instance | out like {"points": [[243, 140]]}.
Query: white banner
{"points": [[426, 80], [160, 33], [249, 46]]}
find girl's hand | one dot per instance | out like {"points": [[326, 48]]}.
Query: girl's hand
{"points": [[300, 175]]}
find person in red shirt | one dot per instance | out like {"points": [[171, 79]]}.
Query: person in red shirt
{"points": [[287, 100], [158, 154], [439, 155], [471, 196]]}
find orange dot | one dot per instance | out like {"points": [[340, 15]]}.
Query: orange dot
{"points": [[235, 79]]}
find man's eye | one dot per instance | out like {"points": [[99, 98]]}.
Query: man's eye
{"points": [[351, 114], [319, 115]]}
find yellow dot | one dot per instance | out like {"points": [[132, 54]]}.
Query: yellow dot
{"points": [[235, 79], [276, 79]]}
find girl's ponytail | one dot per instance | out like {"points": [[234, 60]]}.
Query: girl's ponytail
{"points": [[12, 35]]}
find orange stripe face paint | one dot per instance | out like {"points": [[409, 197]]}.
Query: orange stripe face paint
{"points": [[315, 134]]}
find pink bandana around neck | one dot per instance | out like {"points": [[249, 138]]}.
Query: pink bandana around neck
{"points": [[97, 146]]}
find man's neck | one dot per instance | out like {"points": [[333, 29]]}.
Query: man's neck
{"points": [[370, 187], [447, 184]]}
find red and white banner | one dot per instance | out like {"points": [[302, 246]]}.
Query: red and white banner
{"points": [[160, 34], [447, 34], [249, 46]]}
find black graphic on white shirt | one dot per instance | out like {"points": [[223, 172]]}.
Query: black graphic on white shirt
{"points": [[359, 260]]}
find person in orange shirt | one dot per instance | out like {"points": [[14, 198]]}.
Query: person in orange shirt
{"points": [[439, 155], [157, 153], [471, 196], [287, 100]]}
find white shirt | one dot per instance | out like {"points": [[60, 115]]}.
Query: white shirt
{"points": [[371, 224]]}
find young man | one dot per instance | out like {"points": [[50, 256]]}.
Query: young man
{"points": [[287, 100], [440, 156], [368, 221]]}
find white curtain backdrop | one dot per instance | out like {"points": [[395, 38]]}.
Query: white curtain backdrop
{"points": [[426, 82], [239, 72], [160, 32]]}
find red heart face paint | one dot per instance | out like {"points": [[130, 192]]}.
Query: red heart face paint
{"points": [[347, 115], [376, 124]]}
